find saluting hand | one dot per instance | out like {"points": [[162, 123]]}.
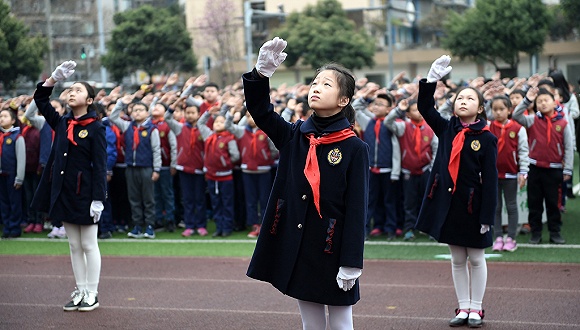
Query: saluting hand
{"points": [[439, 69], [271, 55]]}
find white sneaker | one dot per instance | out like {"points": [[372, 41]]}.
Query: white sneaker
{"points": [[53, 233], [61, 232], [76, 299], [90, 301]]}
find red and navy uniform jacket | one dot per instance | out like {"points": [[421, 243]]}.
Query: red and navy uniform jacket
{"points": [[164, 130], [46, 138], [143, 155], [417, 164], [255, 150], [8, 161], [32, 139], [119, 144], [508, 157], [205, 106], [543, 153], [218, 164], [190, 149]]}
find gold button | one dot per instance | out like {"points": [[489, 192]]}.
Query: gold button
{"points": [[299, 226], [449, 190], [303, 197], [61, 172]]}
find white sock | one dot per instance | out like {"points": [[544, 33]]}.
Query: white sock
{"points": [[313, 315]]}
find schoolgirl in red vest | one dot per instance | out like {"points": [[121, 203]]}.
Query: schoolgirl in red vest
{"points": [[311, 242], [512, 167]]}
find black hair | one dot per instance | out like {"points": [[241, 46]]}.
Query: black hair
{"points": [[387, 96], [346, 86], [412, 102], [100, 109], [506, 101], [546, 82], [518, 91], [480, 97], [211, 84], [562, 85], [14, 116], [141, 104]]}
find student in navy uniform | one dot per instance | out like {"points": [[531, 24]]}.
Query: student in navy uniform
{"points": [[106, 225], [311, 242], [143, 159], [73, 188], [12, 169], [385, 167], [551, 160], [461, 197]]}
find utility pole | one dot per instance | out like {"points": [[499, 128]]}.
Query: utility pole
{"points": [[101, 40], [248, 12], [47, 14]]}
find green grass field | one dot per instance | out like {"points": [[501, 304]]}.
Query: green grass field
{"points": [[238, 245]]}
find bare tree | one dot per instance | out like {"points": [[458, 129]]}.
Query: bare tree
{"points": [[221, 33]]}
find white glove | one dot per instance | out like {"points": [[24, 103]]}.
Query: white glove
{"points": [[484, 229], [96, 210], [346, 277], [271, 56], [63, 71], [439, 69]]}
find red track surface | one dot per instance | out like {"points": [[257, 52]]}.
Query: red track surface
{"points": [[214, 293]]}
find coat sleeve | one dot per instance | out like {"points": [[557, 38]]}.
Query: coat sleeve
{"points": [[42, 100], [111, 149], [426, 106]]}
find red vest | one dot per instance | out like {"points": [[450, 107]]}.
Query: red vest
{"points": [[507, 156], [190, 150], [32, 141], [543, 154], [410, 160], [255, 151], [164, 130], [217, 162]]}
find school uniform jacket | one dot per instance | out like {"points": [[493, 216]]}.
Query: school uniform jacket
{"points": [[189, 145], [513, 157], [74, 175], [298, 252], [456, 217]]}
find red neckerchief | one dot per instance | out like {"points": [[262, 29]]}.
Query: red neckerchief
{"points": [[117, 132], [501, 137], [25, 130], [311, 169], [136, 138], [71, 125], [379, 121], [454, 159], [417, 136], [549, 125], [2, 140]]}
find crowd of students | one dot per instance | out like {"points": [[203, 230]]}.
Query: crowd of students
{"points": [[190, 151]]}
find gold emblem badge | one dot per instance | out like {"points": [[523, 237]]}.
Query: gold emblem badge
{"points": [[162, 134], [83, 133], [475, 145], [261, 137], [512, 134], [144, 133], [334, 156], [221, 145], [8, 141], [558, 128], [426, 138]]}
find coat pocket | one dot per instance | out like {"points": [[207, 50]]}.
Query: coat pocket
{"points": [[279, 206], [470, 201]]}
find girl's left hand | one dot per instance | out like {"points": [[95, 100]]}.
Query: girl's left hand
{"points": [[484, 229]]}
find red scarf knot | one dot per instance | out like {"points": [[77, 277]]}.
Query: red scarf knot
{"points": [[71, 125]]}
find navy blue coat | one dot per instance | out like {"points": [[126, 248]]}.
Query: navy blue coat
{"points": [[74, 176], [298, 252], [456, 218]]}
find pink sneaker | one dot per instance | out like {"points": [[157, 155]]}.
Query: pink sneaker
{"points": [[29, 228], [498, 245], [510, 245], [202, 231], [188, 232], [38, 228]]}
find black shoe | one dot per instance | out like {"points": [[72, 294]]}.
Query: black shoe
{"points": [[89, 302], [476, 323], [106, 235], [170, 227], [76, 299], [556, 238], [217, 234], [456, 321], [226, 233], [535, 239]]}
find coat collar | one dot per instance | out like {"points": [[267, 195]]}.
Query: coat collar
{"points": [[308, 127]]}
